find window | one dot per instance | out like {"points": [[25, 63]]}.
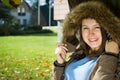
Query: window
{"points": [[18, 9], [21, 11], [24, 22], [19, 21]]}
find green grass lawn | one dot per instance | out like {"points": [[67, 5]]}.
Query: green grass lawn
{"points": [[28, 57]]}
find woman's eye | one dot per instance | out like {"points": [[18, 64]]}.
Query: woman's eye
{"points": [[97, 27], [85, 28]]}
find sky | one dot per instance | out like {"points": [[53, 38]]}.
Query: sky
{"points": [[30, 1]]}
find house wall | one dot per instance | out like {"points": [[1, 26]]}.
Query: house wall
{"points": [[21, 18], [22, 14]]}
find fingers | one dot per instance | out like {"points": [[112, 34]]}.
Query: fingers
{"points": [[60, 49], [60, 52], [62, 46]]}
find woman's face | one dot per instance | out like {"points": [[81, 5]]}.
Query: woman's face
{"points": [[91, 33]]}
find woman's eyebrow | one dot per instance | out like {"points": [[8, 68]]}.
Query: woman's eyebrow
{"points": [[96, 24], [84, 25]]}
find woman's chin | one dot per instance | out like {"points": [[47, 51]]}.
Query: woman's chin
{"points": [[94, 48]]}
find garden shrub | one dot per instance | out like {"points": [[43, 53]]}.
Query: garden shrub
{"points": [[16, 29], [46, 31], [33, 28], [5, 30]]}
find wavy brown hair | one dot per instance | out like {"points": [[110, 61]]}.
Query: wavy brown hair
{"points": [[88, 51], [84, 50], [91, 9]]}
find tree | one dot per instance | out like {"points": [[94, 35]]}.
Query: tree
{"points": [[5, 14], [15, 3], [11, 3]]}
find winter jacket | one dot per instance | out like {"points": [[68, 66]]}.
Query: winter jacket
{"points": [[107, 66], [104, 69]]}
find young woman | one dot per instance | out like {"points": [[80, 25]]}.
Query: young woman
{"points": [[91, 34]]}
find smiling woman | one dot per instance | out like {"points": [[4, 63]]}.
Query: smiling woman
{"points": [[91, 34]]}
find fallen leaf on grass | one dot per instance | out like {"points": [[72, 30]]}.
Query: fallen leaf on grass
{"points": [[40, 74]]}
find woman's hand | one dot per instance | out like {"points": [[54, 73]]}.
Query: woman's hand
{"points": [[112, 47], [60, 52]]}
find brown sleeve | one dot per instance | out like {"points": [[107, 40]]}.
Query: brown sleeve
{"points": [[57, 71], [107, 67]]}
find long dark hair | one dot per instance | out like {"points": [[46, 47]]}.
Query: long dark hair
{"points": [[84, 50], [88, 51]]}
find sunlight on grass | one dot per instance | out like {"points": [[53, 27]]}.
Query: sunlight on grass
{"points": [[27, 57]]}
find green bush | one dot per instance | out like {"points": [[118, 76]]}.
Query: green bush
{"points": [[46, 31], [17, 32], [5, 30], [33, 28], [11, 30], [15, 26], [16, 29]]}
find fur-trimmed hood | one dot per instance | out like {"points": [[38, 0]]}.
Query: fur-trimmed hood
{"points": [[90, 9]]}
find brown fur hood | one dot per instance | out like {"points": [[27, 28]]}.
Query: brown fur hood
{"points": [[90, 9]]}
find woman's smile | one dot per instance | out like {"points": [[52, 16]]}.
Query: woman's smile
{"points": [[93, 40], [91, 33]]}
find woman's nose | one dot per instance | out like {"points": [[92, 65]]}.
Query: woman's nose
{"points": [[91, 32]]}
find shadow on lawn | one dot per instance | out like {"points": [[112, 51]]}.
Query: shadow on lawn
{"points": [[41, 34], [45, 32]]}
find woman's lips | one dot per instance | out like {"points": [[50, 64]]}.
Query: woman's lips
{"points": [[93, 40]]}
